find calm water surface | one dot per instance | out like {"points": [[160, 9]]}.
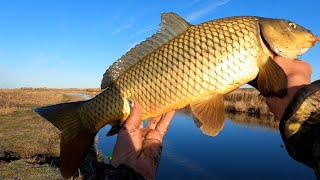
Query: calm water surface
{"points": [[247, 148]]}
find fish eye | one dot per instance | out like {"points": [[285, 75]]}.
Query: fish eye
{"points": [[293, 25]]}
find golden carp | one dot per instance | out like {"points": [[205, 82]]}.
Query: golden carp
{"points": [[181, 65]]}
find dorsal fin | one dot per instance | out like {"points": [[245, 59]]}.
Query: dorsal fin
{"points": [[171, 26]]}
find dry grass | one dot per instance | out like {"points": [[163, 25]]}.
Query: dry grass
{"points": [[21, 130], [246, 100], [27, 135], [26, 98], [27, 169]]}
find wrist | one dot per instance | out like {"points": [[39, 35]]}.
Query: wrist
{"points": [[147, 170]]}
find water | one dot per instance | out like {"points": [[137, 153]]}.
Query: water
{"points": [[247, 148], [84, 96]]}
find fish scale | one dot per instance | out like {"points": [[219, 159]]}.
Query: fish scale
{"points": [[184, 69], [181, 65]]}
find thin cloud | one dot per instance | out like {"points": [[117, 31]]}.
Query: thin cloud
{"points": [[119, 23], [144, 30], [121, 29], [193, 2], [202, 12]]}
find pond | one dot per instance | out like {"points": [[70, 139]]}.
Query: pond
{"points": [[246, 148]]}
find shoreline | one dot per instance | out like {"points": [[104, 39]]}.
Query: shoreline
{"points": [[246, 100]]}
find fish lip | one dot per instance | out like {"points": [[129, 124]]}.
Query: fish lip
{"points": [[313, 39], [311, 42]]}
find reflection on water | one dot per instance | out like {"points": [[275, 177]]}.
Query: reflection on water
{"points": [[253, 121], [247, 148]]}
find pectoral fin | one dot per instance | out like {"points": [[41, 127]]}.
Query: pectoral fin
{"points": [[209, 114], [271, 80], [115, 128]]}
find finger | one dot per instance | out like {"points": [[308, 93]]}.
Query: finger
{"points": [[153, 122], [161, 128], [135, 118], [164, 122]]}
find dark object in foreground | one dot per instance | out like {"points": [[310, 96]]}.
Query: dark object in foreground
{"points": [[300, 127]]}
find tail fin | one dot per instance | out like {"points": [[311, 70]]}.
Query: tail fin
{"points": [[76, 139]]}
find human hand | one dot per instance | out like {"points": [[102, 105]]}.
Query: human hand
{"points": [[140, 148], [299, 74], [298, 128]]}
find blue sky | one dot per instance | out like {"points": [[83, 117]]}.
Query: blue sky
{"points": [[62, 44]]}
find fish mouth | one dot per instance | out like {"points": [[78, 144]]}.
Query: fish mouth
{"points": [[313, 40]]}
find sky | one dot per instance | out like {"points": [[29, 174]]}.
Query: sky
{"points": [[70, 44]]}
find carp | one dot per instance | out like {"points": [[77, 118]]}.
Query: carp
{"points": [[181, 65]]}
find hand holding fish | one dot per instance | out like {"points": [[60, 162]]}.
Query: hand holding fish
{"points": [[299, 113], [140, 148], [299, 75]]}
